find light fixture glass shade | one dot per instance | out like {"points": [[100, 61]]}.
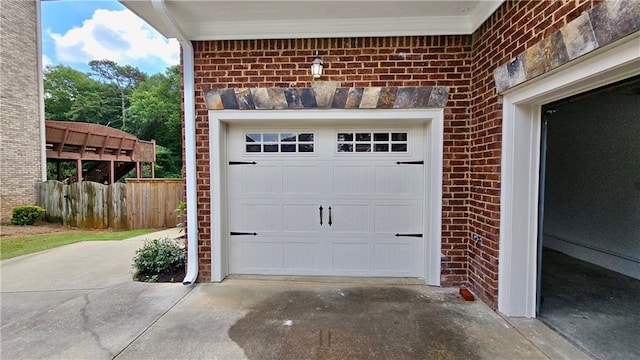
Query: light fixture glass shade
{"points": [[317, 67]]}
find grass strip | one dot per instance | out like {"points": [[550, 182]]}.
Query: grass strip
{"points": [[21, 245]]}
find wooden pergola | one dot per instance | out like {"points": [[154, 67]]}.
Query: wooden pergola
{"points": [[115, 152]]}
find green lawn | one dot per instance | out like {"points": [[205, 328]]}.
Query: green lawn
{"points": [[22, 245]]}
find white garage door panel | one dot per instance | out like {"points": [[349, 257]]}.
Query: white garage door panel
{"points": [[351, 258], [254, 216], [367, 197], [397, 256], [395, 218], [271, 255], [301, 218], [352, 179], [300, 179], [261, 256], [253, 179], [351, 218], [399, 180], [301, 255], [393, 257]]}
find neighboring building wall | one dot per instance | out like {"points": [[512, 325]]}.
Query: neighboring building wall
{"points": [[354, 62], [513, 28], [20, 138]]}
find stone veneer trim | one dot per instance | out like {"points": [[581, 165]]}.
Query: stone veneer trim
{"points": [[600, 26], [327, 95]]}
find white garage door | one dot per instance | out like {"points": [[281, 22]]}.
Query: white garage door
{"points": [[326, 201]]}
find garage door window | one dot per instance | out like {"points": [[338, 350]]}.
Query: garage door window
{"points": [[366, 142], [279, 142]]}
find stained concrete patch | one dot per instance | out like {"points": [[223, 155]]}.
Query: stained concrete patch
{"points": [[298, 319], [352, 323], [373, 322]]}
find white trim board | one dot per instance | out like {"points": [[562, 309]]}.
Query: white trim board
{"points": [[434, 137], [521, 162]]}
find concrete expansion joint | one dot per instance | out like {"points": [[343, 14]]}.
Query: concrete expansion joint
{"points": [[526, 336], [151, 324], [577, 352]]}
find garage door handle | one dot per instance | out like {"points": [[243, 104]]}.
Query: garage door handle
{"points": [[421, 162], [242, 163], [330, 222], [320, 214], [236, 233], [409, 235]]}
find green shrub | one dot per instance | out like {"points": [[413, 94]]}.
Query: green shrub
{"points": [[157, 256], [25, 215]]}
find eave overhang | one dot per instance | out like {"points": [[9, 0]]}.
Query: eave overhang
{"points": [[241, 20]]}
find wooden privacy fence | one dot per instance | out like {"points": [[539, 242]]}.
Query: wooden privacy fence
{"points": [[151, 203], [137, 204]]}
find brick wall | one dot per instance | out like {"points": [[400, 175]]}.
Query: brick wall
{"points": [[20, 156], [359, 62], [473, 116], [514, 27]]}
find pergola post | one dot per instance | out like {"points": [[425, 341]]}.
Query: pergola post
{"points": [[59, 170], [138, 172], [153, 170], [79, 170], [112, 172]]}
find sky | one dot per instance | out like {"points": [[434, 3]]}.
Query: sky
{"points": [[75, 32]]}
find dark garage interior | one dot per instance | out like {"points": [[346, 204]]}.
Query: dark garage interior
{"points": [[589, 283]]}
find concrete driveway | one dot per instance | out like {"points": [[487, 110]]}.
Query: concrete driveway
{"points": [[78, 302]]}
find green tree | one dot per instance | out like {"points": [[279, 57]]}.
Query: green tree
{"points": [[97, 105], [152, 107], [72, 95], [155, 113], [123, 77], [61, 87]]}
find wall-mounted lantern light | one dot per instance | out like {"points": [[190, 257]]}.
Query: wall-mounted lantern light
{"points": [[317, 67]]}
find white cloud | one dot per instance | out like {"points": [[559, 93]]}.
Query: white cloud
{"points": [[46, 61], [119, 36]]}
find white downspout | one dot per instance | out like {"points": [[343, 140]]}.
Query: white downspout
{"points": [[190, 140]]}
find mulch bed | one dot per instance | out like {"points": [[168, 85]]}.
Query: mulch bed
{"points": [[172, 277]]}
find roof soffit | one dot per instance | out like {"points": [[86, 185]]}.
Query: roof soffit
{"points": [[235, 20]]}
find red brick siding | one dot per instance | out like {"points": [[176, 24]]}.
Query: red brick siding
{"points": [[359, 62], [514, 27], [472, 141]]}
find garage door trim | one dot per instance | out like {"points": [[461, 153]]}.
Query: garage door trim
{"points": [[433, 139]]}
